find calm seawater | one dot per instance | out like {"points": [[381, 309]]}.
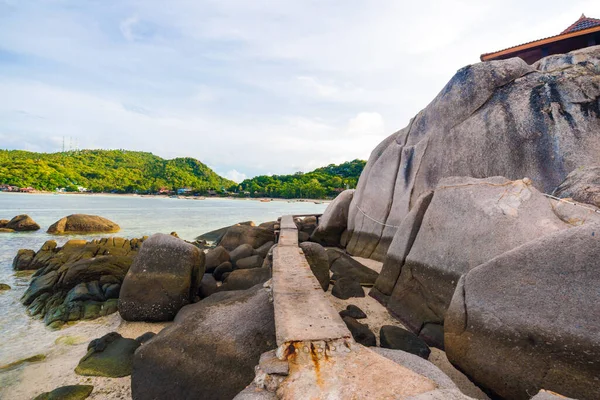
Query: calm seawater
{"points": [[22, 336]]}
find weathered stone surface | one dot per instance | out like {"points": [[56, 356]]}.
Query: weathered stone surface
{"points": [[547, 395], [270, 364], [242, 251], [23, 259], [334, 220], [468, 222], [575, 213], [583, 185], [399, 249], [39, 285], [253, 393], [527, 319], [243, 234], [360, 332], [216, 235], [249, 262], [164, 277], [396, 338], [222, 269], [22, 223], [317, 258], [498, 118], [344, 266], [441, 394], [264, 249], [83, 223], [242, 279], [418, 365], [71, 392], [345, 288], [353, 311], [208, 286], [110, 356], [216, 257], [221, 336]]}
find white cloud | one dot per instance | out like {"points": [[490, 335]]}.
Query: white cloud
{"points": [[366, 123], [235, 176], [127, 28]]}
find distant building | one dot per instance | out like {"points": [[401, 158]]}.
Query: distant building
{"points": [[164, 190], [81, 189], [61, 190], [27, 190], [184, 191], [585, 32], [212, 192]]}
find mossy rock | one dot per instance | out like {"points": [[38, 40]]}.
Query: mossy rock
{"points": [[73, 392], [4, 286], [36, 358], [110, 356]]}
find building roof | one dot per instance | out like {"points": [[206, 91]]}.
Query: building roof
{"points": [[582, 26]]}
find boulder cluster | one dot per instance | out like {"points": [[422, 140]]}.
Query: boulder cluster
{"points": [[72, 224], [484, 213]]}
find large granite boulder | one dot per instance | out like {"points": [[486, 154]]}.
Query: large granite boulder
{"points": [[528, 319], [22, 223], [344, 266], [164, 277], [216, 257], [497, 118], [210, 350], [242, 279], [23, 259], [334, 220], [80, 280], [254, 236], [109, 356], [216, 235], [83, 223], [581, 185], [468, 222], [317, 258]]}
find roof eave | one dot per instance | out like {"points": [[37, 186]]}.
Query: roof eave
{"points": [[526, 46]]}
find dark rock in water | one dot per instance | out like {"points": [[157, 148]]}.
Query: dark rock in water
{"points": [[221, 336], [264, 249], [249, 262], [216, 235], [36, 358], [164, 277], [528, 319], [334, 220], [216, 257], [82, 223], [345, 288], [222, 269], [316, 255], [71, 392], [145, 337], [583, 185], [6, 230], [4, 286], [208, 286], [394, 337], [242, 234], [3, 223], [342, 265], [23, 259], [242, 251], [22, 223], [353, 311], [39, 285], [112, 290], [242, 279], [110, 356], [360, 332]]}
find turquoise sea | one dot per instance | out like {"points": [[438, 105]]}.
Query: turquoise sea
{"points": [[22, 336]]}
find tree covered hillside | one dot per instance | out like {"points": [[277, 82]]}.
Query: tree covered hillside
{"points": [[320, 183], [106, 171]]}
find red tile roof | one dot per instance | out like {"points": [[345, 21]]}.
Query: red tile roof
{"points": [[582, 23]]}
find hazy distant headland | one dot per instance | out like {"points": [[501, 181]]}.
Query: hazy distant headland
{"points": [[123, 171]]}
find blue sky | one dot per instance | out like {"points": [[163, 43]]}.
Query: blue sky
{"points": [[248, 87]]}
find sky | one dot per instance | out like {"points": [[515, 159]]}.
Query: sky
{"points": [[248, 87]]}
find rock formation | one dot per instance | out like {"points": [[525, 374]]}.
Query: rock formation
{"points": [[20, 223], [82, 223]]}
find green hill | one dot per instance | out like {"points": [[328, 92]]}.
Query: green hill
{"points": [[106, 171], [320, 183]]}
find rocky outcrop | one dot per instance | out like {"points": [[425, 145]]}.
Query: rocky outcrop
{"points": [[23, 259], [109, 356], [71, 392], [254, 236], [526, 319], [216, 235], [164, 277], [582, 185], [82, 223], [80, 280], [22, 223], [210, 350], [334, 221], [498, 118], [216, 257], [468, 222], [318, 260]]}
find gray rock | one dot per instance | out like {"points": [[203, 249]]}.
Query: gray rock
{"points": [[264, 249], [316, 255], [441, 394], [532, 320], [216, 257], [270, 364], [396, 338], [499, 118], [217, 234], [353, 311], [344, 266], [109, 356], [334, 220], [22, 223], [71, 392], [221, 336], [249, 262], [546, 395], [222, 269], [39, 285], [242, 279], [345, 288], [583, 185], [468, 222], [208, 286], [253, 393], [360, 332], [164, 277], [23, 259], [242, 234], [242, 251]]}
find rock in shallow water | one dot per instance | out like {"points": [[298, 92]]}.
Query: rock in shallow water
{"points": [[72, 392], [22, 223], [83, 223]]}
